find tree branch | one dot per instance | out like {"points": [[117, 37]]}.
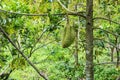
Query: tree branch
{"points": [[7, 37], [40, 47], [69, 11], [108, 43], [102, 63], [108, 32], [26, 14], [65, 7], [4, 70], [106, 20], [34, 45], [6, 75]]}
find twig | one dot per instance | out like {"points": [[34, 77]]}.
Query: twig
{"points": [[65, 7], [106, 63], [40, 47], [7, 37], [117, 51], [5, 76], [31, 51], [4, 70], [27, 14], [107, 32], [69, 11], [106, 20], [108, 43]]}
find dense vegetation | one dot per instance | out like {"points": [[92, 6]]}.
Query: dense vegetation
{"points": [[59, 39]]}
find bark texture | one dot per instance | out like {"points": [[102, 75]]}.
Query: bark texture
{"points": [[89, 40]]}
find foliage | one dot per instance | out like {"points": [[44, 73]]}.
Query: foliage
{"points": [[39, 38], [106, 73]]}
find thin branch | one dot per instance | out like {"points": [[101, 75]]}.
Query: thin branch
{"points": [[103, 63], [73, 12], [6, 75], [117, 51], [4, 70], [37, 70], [27, 14], [65, 7], [106, 20], [108, 43], [45, 30], [107, 32], [31, 51], [38, 48]]}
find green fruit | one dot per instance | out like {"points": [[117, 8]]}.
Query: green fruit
{"points": [[68, 36]]}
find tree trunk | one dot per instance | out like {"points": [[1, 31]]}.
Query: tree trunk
{"points": [[117, 51], [76, 48], [76, 40], [89, 40], [111, 53], [117, 57], [76, 51]]}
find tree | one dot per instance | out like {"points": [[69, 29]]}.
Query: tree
{"points": [[94, 25], [89, 40]]}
